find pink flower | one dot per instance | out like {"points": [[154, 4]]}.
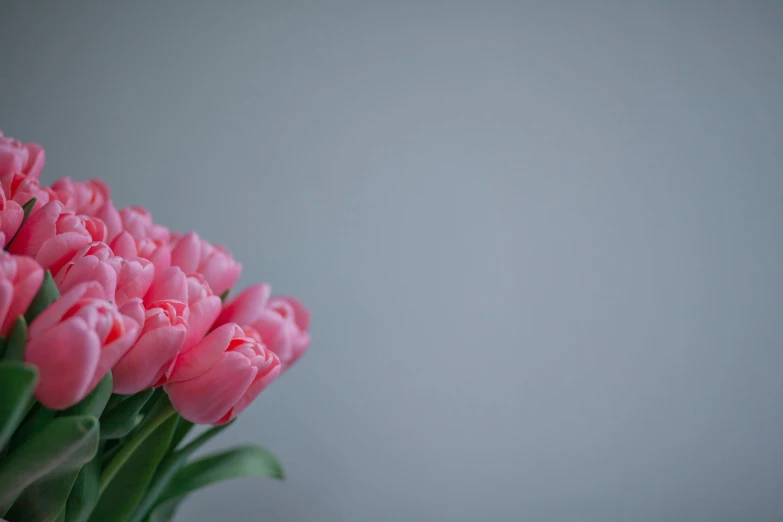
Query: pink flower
{"points": [[134, 279], [52, 235], [204, 307], [193, 254], [93, 262], [22, 188], [280, 322], [11, 214], [76, 341], [121, 279], [82, 197], [20, 279], [218, 378], [127, 246], [138, 222], [15, 156], [150, 360]]}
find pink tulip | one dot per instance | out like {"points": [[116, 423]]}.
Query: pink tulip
{"points": [[53, 236], [82, 197], [280, 322], [138, 222], [158, 254], [93, 262], [204, 307], [76, 341], [22, 188], [20, 279], [134, 279], [193, 254], [150, 360], [11, 214], [218, 378], [15, 156]]}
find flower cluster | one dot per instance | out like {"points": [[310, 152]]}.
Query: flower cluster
{"points": [[135, 300]]}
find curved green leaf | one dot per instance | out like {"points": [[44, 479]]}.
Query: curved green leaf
{"points": [[66, 443], [84, 494], [124, 417], [171, 465], [46, 295], [17, 383], [44, 500], [244, 461], [17, 339], [183, 428], [128, 485], [38, 417]]}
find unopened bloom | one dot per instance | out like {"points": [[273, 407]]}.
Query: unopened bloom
{"points": [[215, 380], [15, 156], [76, 340], [193, 254], [149, 362], [53, 235], [280, 322]]}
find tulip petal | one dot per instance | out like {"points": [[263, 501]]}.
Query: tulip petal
{"points": [[202, 315], [149, 359], [205, 354], [186, 253], [54, 312], [39, 227], [58, 250], [301, 314], [247, 306], [113, 352], [66, 357], [267, 372], [170, 285], [207, 398]]}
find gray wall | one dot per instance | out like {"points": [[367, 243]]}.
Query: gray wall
{"points": [[541, 241]]}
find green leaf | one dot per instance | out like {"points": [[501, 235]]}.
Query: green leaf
{"points": [[95, 402], [244, 461], [169, 467], [124, 417], [45, 499], [26, 208], [115, 399], [38, 417], [164, 513], [46, 295], [14, 349], [85, 492], [127, 487], [65, 443], [160, 413], [183, 428], [17, 383], [224, 295]]}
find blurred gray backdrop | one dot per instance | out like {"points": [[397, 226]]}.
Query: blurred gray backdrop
{"points": [[541, 241]]}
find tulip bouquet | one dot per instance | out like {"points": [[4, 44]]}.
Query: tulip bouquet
{"points": [[116, 338]]}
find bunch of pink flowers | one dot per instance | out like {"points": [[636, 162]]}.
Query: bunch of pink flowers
{"points": [[136, 299], [134, 304]]}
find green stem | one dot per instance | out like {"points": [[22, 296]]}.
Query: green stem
{"points": [[144, 431]]}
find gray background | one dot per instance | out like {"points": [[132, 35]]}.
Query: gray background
{"points": [[541, 241]]}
